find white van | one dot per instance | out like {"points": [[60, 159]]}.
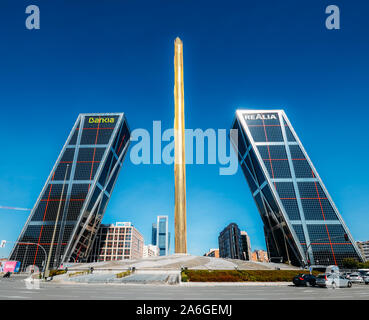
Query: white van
{"points": [[332, 269]]}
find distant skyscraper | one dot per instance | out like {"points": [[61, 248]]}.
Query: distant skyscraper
{"points": [[230, 243], [162, 236], [301, 222], [89, 163], [246, 245], [154, 233]]}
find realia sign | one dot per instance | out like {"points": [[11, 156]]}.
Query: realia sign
{"points": [[259, 116]]}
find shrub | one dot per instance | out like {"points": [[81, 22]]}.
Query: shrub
{"points": [[350, 263], [363, 265], [79, 273], [123, 274], [56, 272], [184, 277]]}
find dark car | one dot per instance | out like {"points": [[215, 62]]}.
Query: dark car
{"points": [[304, 279]]}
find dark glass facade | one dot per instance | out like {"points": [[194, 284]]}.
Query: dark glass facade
{"points": [[230, 243], [162, 235], [87, 167], [301, 222], [154, 231]]}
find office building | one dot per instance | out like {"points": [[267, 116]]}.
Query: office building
{"points": [[364, 248], [117, 242], [162, 235], [259, 256], [212, 253], [76, 193], [150, 251], [301, 221], [246, 245], [230, 243]]}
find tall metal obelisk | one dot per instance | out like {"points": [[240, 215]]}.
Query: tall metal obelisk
{"points": [[179, 150]]}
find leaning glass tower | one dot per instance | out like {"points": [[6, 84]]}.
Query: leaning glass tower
{"points": [[301, 221], [73, 201]]}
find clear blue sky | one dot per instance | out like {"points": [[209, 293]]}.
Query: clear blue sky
{"points": [[117, 55]]}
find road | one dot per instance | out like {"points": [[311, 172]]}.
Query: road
{"points": [[15, 288]]}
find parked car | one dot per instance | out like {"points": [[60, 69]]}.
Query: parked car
{"points": [[355, 278], [304, 279], [333, 280], [365, 275]]}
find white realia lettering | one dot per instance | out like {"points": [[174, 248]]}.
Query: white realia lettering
{"points": [[260, 116]]}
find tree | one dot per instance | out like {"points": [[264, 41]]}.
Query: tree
{"points": [[350, 263]]}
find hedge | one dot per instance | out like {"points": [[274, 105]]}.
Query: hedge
{"points": [[241, 275], [56, 272], [79, 273], [123, 274]]}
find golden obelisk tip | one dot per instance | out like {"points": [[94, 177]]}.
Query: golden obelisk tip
{"points": [[178, 41]]}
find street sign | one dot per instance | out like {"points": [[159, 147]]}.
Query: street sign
{"points": [[2, 244]]}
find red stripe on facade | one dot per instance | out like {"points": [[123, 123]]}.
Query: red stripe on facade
{"points": [[283, 159], [80, 161], [121, 144], [326, 227], [42, 244], [96, 128], [270, 160], [53, 200], [265, 125], [93, 157], [302, 198], [43, 219]]}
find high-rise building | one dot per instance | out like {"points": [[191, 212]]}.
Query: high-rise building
{"points": [[301, 222], [212, 253], [162, 235], [77, 191], [154, 232], [117, 242], [364, 248], [150, 251], [230, 243], [246, 245]]}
